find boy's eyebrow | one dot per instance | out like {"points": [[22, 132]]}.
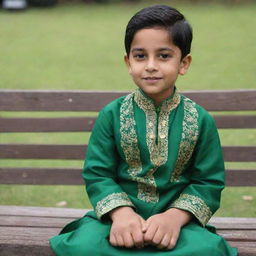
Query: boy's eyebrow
{"points": [[165, 49], [137, 49], [160, 49]]}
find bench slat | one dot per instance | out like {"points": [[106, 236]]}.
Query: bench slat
{"points": [[31, 237], [81, 124], [52, 212], [18, 100], [55, 212], [41, 151], [231, 223], [72, 176], [238, 227], [68, 124], [29, 100], [26, 235], [34, 241], [235, 122], [61, 151], [239, 235], [29, 221], [239, 153], [27, 250], [41, 176]]}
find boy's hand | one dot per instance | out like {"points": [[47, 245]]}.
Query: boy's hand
{"points": [[163, 229], [126, 229]]}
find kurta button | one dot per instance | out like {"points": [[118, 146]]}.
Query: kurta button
{"points": [[162, 136], [150, 124], [163, 123], [151, 136]]}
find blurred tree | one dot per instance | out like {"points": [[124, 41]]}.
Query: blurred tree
{"points": [[42, 3]]}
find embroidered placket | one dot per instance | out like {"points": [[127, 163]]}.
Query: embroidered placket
{"points": [[147, 189]]}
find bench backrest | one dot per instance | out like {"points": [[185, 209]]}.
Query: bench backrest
{"points": [[91, 101]]}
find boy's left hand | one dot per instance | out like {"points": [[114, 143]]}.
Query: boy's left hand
{"points": [[162, 230]]}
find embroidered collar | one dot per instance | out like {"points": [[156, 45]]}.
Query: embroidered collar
{"points": [[147, 104]]}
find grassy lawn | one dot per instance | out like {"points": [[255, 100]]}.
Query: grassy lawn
{"points": [[80, 46]]}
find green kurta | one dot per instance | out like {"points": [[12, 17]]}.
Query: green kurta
{"points": [[150, 158]]}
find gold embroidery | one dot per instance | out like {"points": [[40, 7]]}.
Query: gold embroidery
{"points": [[112, 201], [147, 188], [195, 205], [158, 150], [188, 138], [158, 146], [129, 144], [129, 140]]}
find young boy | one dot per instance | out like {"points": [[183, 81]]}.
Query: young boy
{"points": [[154, 169]]}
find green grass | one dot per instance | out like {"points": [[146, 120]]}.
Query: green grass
{"points": [[79, 46]]}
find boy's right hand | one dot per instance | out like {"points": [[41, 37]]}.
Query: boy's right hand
{"points": [[126, 229]]}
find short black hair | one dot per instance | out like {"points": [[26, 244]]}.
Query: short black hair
{"points": [[161, 16]]}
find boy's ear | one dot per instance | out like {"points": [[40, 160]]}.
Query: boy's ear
{"points": [[127, 62], [184, 64]]}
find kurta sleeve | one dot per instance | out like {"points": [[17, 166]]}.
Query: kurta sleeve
{"points": [[100, 168], [202, 196]]}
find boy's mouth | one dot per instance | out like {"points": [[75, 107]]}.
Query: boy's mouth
{"points": [[152, 78]]}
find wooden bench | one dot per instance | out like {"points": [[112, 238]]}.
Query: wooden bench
{"points": [[26, 230]]}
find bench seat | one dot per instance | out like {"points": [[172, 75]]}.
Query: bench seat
{"points": [[25, 231]]}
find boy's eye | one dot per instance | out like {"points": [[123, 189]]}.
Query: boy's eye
{"points": [[139, 56], [164, 56]]}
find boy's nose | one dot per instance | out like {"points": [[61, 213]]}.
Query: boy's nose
{"points": [[151, 65]]}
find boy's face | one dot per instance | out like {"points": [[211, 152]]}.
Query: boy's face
{"points": [[155, 62]]}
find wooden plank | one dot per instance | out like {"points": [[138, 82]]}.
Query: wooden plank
{"points": [[29, 100], [244, 248], [40, 235], [231, 223], [27, 235], [238, 235], [30, 221], [239, 153], [72, 176], [23, 240], [8, 250], [44, 151], [25, 250], [35, 240], [76, 124], [19, 100], [67, 124], [243, 233], [241, 178], [41, 151], [41, 176], [10, 210], [242, 245], [235, 121]]}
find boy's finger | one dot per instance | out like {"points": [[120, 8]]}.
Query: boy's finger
{"points": [[150, 233], [165, 242], [138, 238], [173, 241], [128, 240], [112, 240], [158, 237], [119, 240]]}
